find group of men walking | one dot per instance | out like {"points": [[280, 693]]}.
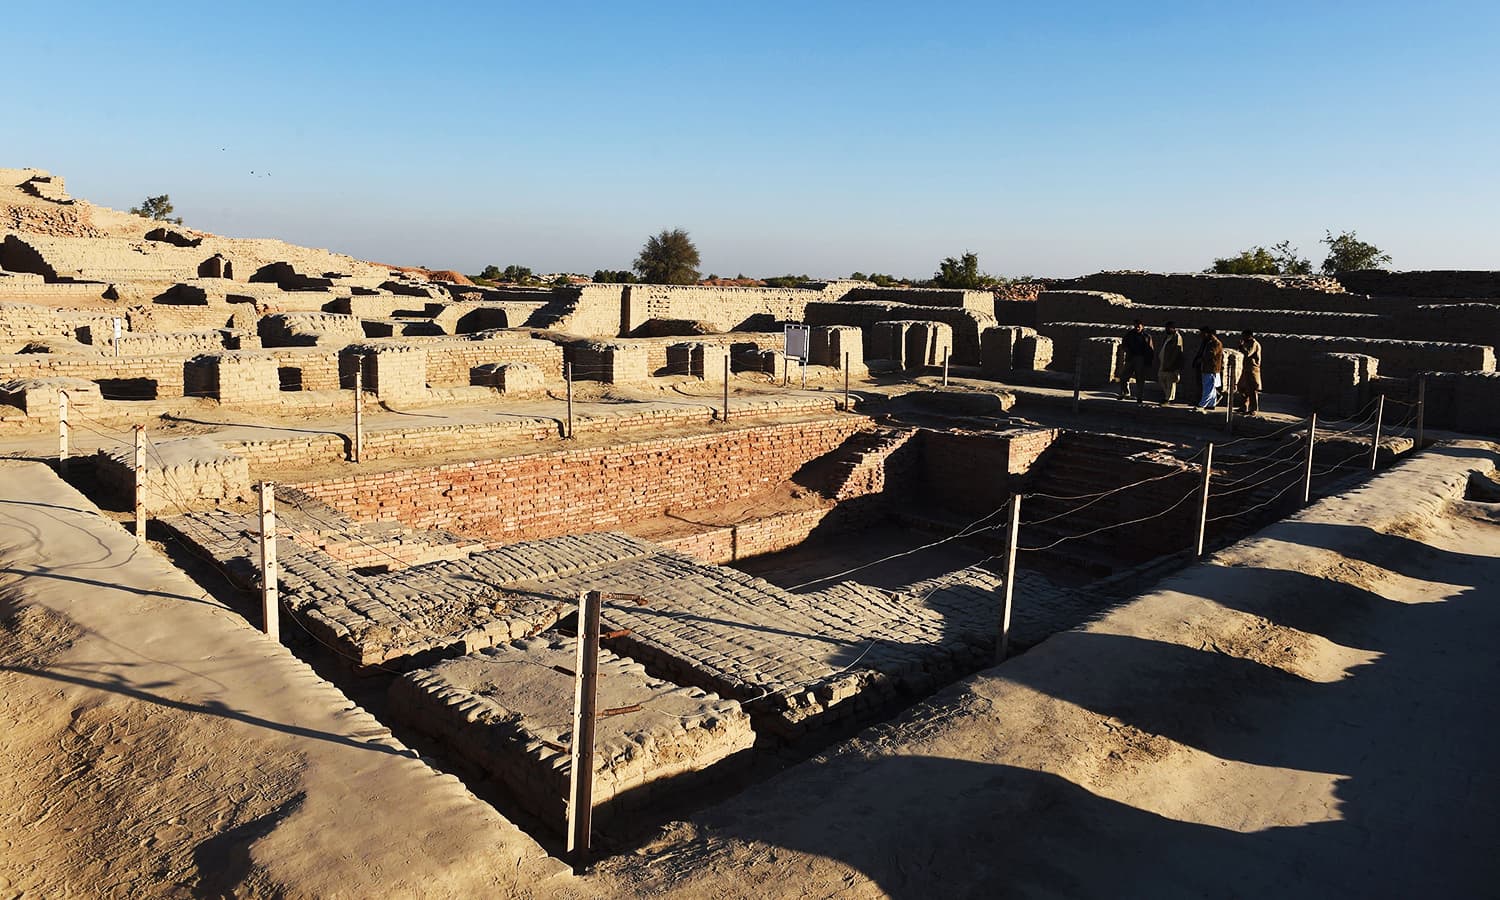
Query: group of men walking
{"points": [[1141, 356]]}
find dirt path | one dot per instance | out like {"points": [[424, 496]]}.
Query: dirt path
{"points": [[1311, 713]]}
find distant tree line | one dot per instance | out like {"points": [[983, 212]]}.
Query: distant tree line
{"points": [[1346, 253]]}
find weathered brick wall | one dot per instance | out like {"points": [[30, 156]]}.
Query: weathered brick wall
{"points": [[570, 491], [449, 362], [121, 377], [313, 369], [1463, 401], [966, 323], [1196, 289], [1477, 323], [722, 308], [973, 473], [1434, 283], [1287, 356], [979, 301]]}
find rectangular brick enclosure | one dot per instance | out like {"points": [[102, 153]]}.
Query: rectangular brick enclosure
{"points": [[569, 491]]}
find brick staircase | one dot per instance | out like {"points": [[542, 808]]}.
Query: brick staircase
{"points": [[860, 465], [1081, 464]]}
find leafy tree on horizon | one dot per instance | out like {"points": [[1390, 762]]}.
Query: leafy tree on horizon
{"points": [[1281, 259], [963, 273], [516, 275], [614, 276], [1347, 253], [158, 208], [491, 273], [668, 258]]}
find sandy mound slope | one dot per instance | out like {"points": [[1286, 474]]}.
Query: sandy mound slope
{"points": [[155, 745]]}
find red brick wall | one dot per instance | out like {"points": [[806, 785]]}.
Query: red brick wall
{"points": [[564, 492], [971, 473]]}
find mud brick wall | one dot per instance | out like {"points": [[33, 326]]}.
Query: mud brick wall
{"points": [[317, 369], [979, 301], [1250, 291], [569, 491], [1435, 283], [122, 377], [721, 308], [660, 361], [22, 324], [1287, 356], [974, 473], [998, 348], [771, 534], [1464, 401], [449, 362], [966, 323], [170, 317]]}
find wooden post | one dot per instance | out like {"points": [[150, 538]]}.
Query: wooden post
{"points": [[269, 595], [1421, 409], [62, 432], [1229, 399], [359, 408], [802, 365], [117, 323], [726, 387], [1012, 541], [1077, 380], [945, 367], [1312, 442], [1208, 471], [585, 696], [846, 382], [1375, 437], [568, 377], [140, 483]]}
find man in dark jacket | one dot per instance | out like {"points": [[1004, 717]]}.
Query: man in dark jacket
{"points": [[1139, 354]]}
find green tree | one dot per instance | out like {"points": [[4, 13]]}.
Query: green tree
{"points": [[613, 276], [1281, 259], [491, 273], [668, 258], [516, 275], [1346, 253], [784, 281], [158, 208], [962, 272], [858, 276]]}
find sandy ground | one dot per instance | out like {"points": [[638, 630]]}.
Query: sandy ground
{"points": [[1311, 713], [155, 745]]}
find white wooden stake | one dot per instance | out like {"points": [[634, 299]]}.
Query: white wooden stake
{"points": [[140, 483], [726, 387], [1312, 442], [846, 382], [1229, 396], [1077, 380], [1421, 409], [269, 595], [1012, 540], [1208, 471], [568, 377], [585, 697], [62, 432], [1375, 437], [359, 408], [945, 367]]}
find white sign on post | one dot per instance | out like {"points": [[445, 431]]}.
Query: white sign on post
{"points": [[798, 340], [798, 344]]}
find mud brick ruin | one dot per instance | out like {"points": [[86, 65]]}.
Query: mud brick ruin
{"points": [[801, 561]]}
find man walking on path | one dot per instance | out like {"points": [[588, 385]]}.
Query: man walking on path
{"points": [[1210, 361], [1139, 354], [1249, 387], [1171, 363]]}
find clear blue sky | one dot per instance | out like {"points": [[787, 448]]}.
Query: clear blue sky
{"points": [[1052, 139]]}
